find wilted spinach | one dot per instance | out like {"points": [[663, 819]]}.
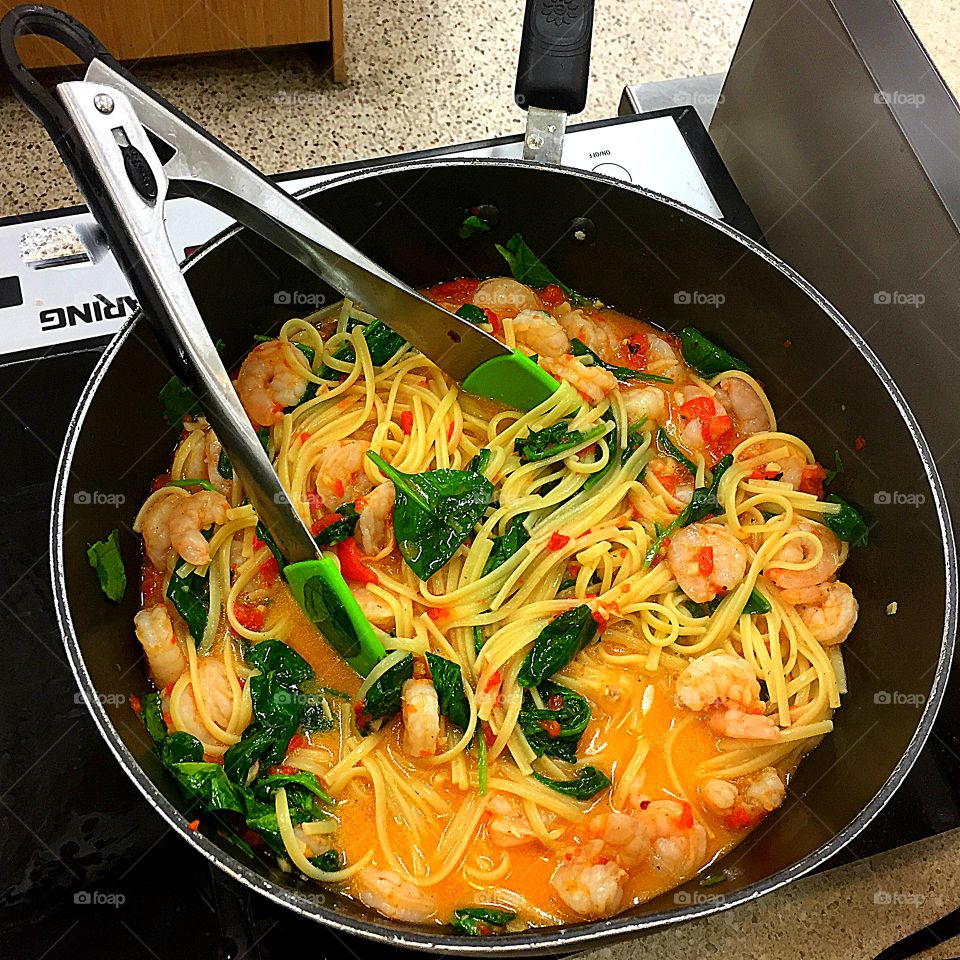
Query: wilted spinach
{"points": [[705, 356], [588, 782], [555, 439], [557, 644], [624, 374], [555, 731], [449, 686]]}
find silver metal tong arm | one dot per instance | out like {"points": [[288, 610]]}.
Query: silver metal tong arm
{"points": [[137, 185], [205, 169]]}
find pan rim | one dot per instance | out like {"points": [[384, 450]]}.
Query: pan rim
{"points": [[539, 939]]}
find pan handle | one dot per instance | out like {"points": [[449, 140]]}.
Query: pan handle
{"points": [[554, 62]]}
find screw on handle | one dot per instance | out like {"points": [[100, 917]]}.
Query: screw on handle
{"points": [[554, 65]]}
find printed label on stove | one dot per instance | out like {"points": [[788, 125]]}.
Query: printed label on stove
{"points": [[90, 311]]}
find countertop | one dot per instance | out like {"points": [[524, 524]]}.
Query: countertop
{"points": [[421, 75]]}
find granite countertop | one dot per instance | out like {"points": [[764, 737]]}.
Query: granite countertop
{"points": [[421, 75]]}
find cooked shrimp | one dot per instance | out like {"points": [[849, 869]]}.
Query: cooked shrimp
{"points": [[203, 462], [725, 686], [164, 653], [707, 561], [802, 549], [340, 475], [649, 402], [537, 332], [506, 297], [175, 523], [589, 329], [744, 405], [589, 883], [379, 613], [744, 802], [508, 826], [421, 717], [592, 383], [828, 609], [314, 844], [388, 893], [192, 515], [375, 527], [270, 379], [662, 359], [217, 697]]}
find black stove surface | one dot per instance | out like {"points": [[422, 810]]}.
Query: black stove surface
{"points": [[88, 868]]}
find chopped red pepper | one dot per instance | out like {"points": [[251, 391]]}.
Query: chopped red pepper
{"points": [[494, 681], [434, 613], [705, 561], [685, 819], [406, 422], [600, 620], [303, 437], [249, 616], [717, 427], [283, 770], [859, 443], [296, 742], [337, 487], [135, 704], [738, 819], [194, 824], [698, 408], [252, 837], [551, 728], [318, 526], [360, 715], [489, 737], [494, 321], [454, 291], [551, 295], [315, 501], [269, 571], [450, 429], [556, 701], [557, 541], [811, 480], [668, 481], [351, 563]]}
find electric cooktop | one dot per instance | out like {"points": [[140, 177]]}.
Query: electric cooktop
{"points": [[87, 868]]}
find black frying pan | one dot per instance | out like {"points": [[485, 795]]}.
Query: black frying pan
{"points": [[648, 256]]}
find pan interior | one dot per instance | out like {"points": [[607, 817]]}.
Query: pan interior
{"points": [[648, 258]]}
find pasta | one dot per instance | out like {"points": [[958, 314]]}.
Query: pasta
{"points": [[612, 622]]}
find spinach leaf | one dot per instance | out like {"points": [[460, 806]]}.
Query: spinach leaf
{"points": [[224, 466], [702, 503], [670, 449], [471, 225], [528, 268], [208, 783], [192, 482], [264, 787], [623, 374], [848, 524], [635, 438], [556, 730], [151, 714], [480, 921], [480, 462], [339, 529], [382, 343], [557, 644], [838, 469], [705, 356], [314, 718], [478, 638], [555, 439], [505, 546], [307, 351], [178, 401], [190, 596], [434, 513], [756, 603], [472, 313], [383, 698], [254, 744], [448, 683], [329, 861], [588, 782], [104, 557], [614, 456], [181, 747], [263, 435]]}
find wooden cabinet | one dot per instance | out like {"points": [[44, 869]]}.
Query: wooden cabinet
{"points": [[140, 29]]}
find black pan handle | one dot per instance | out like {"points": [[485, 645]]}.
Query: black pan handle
{"points": [[554, 62]]}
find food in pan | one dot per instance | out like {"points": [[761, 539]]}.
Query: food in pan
{"points": [[613, 623]]}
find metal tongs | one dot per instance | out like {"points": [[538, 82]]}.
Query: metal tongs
{"points": [[105, 128]]}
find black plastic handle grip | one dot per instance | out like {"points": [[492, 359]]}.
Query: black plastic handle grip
{"points": [[554, 65]]}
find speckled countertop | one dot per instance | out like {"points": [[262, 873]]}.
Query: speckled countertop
{"points": [[422, 74]]}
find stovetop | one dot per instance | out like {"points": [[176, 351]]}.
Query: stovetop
{"points": [[88, 869]]}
